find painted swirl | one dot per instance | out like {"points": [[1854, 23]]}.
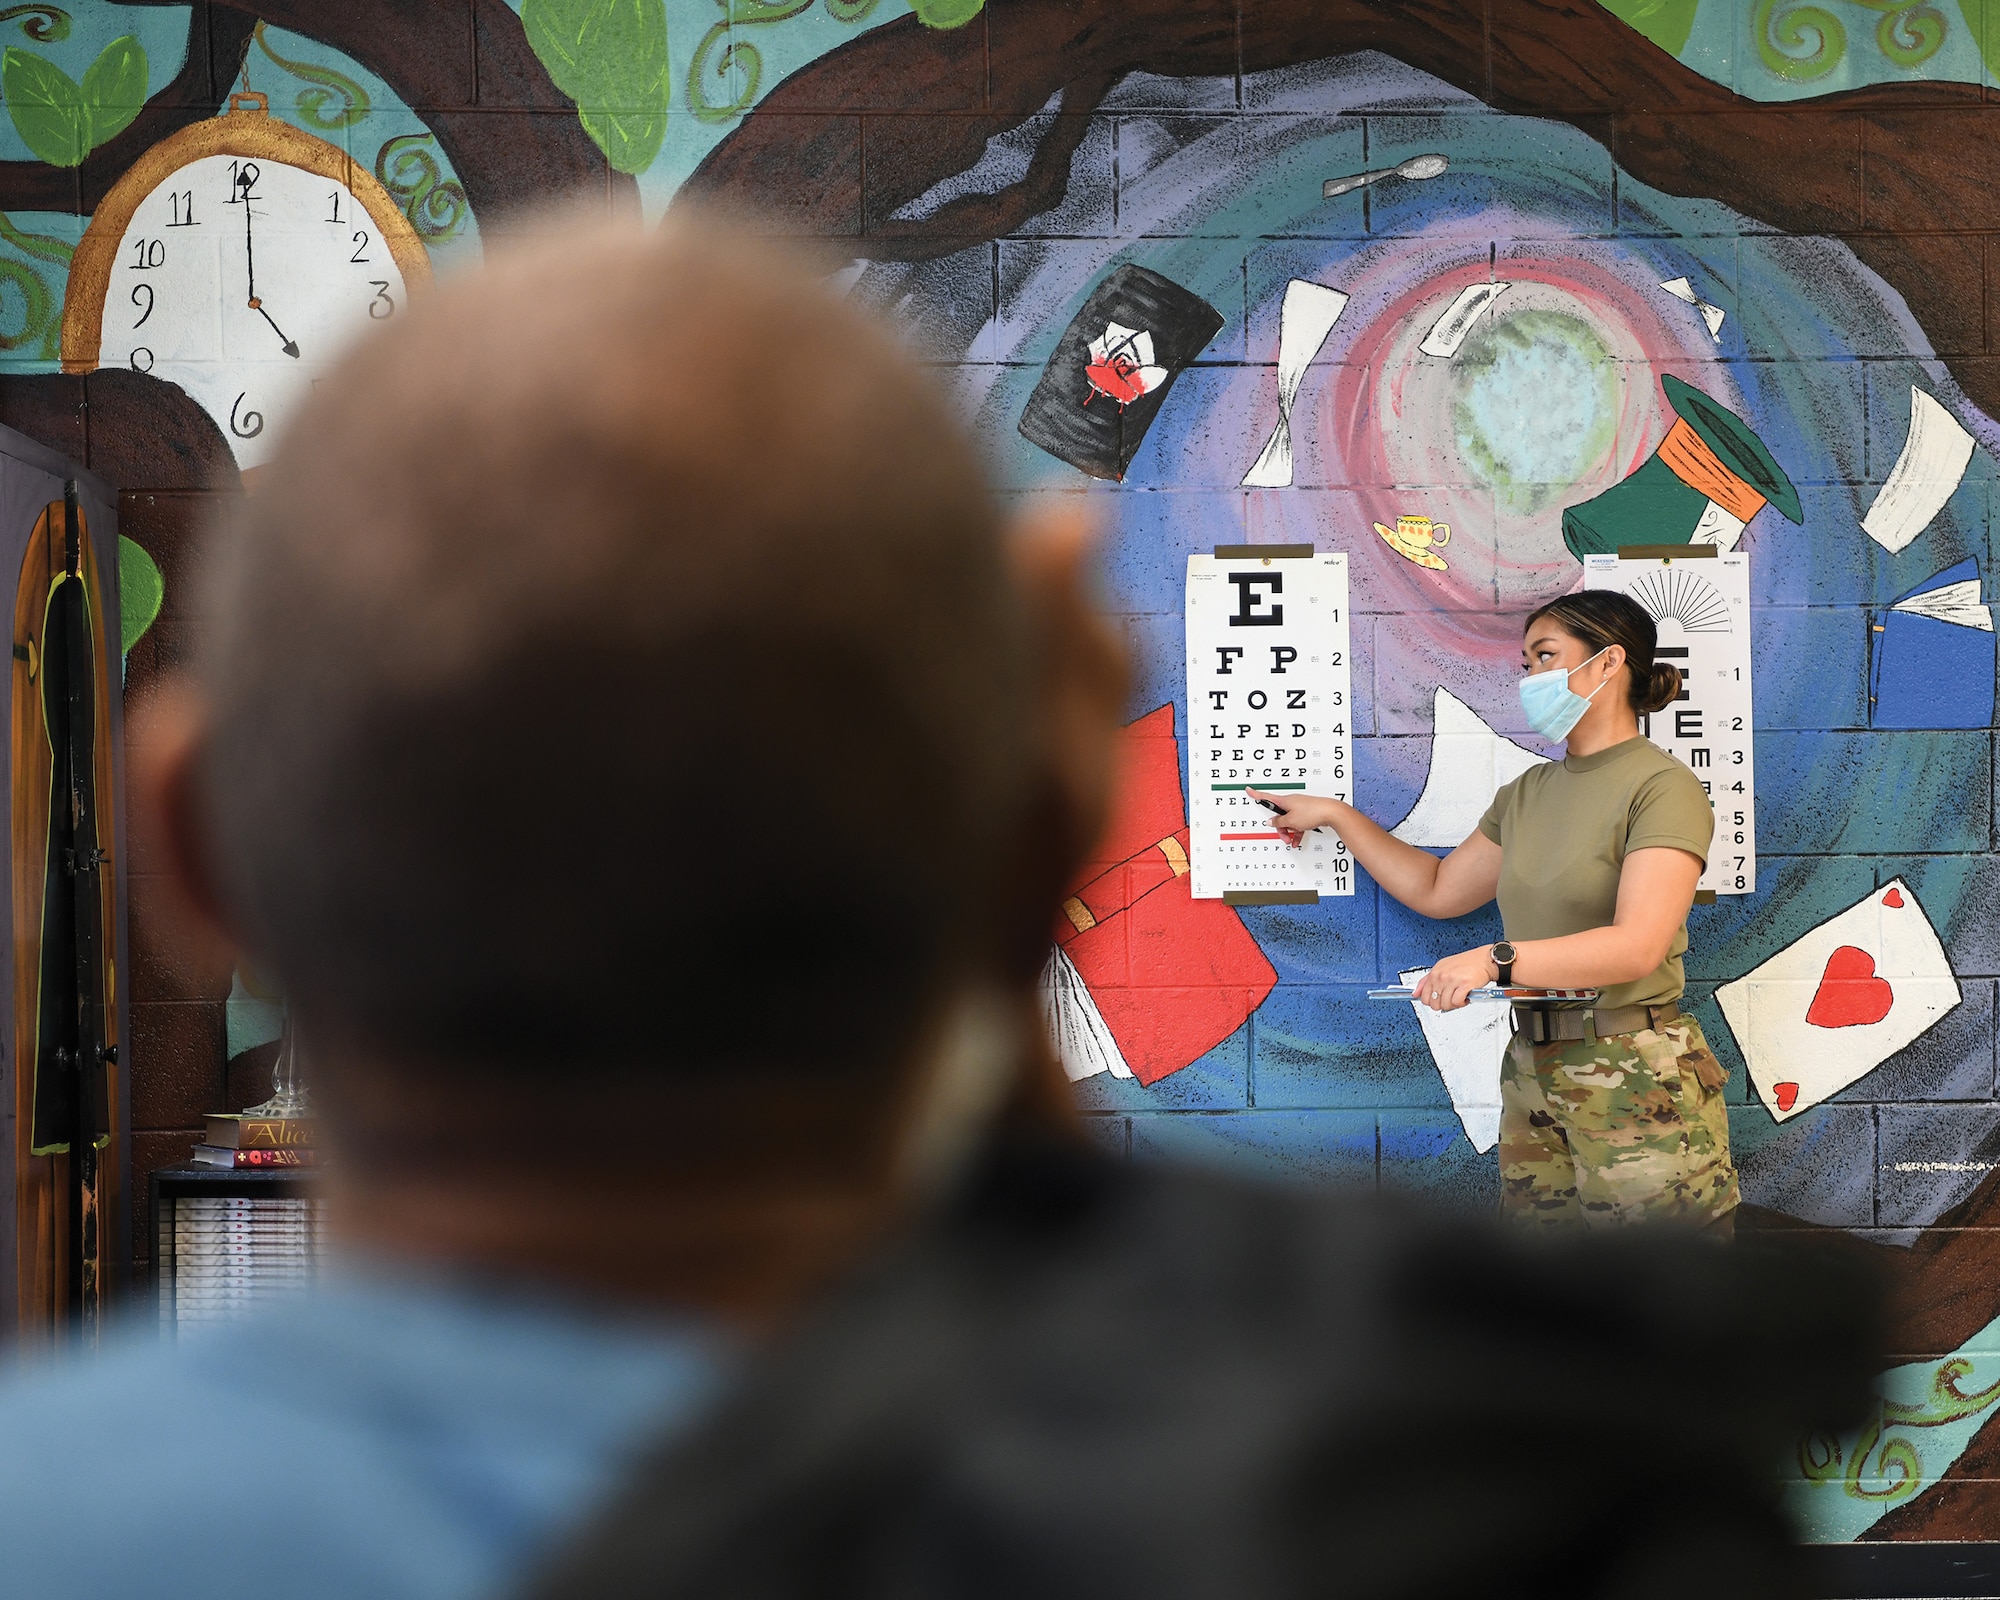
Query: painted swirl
{"points": [[1898, 1467], [738, 59], [1910, 32], [323, 86], [38, 324], [435, 204], [1802, 43], [43, 24], [40, 304]]}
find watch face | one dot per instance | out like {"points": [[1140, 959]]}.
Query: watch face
{"points": [[239, 279]]}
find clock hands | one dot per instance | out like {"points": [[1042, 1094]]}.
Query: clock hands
{"points": [[290, 346]]}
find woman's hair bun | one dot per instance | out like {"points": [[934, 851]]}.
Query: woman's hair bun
{"points": [[1662, 685]]}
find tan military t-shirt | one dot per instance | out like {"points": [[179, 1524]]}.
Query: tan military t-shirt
{"points": [[1564, 830]]}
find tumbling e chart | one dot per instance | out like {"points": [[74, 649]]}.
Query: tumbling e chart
{"points": [[1268, 703], [1702, 609]]}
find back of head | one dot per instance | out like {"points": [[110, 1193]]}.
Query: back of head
{"points": [[1601, 618], [555, 588]]}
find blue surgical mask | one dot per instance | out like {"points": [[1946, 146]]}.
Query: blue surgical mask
{"points": [[1553, 707]]}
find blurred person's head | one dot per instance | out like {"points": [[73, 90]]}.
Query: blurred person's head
{"points": [[635, 742]]}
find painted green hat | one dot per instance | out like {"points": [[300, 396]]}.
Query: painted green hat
{"points": [[1710, 475]]}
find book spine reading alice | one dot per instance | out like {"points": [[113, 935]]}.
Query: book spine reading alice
{"points": [[246, 1132]]}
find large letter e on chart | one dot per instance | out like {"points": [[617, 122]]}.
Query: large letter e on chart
{"points": [[1248, 600]]}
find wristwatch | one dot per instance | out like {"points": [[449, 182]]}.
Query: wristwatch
{"points": [[1503, 958]]}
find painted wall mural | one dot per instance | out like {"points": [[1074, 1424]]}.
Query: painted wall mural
{"points": [[1467, 299]]}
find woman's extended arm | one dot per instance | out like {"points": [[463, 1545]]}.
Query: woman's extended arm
{"points": [[1463, 881], [1655, 889]]}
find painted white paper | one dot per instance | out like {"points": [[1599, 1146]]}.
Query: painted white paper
{"points": [[1712, 316], [1832, 1006], [1469, 762], [1926, 474], [1467, 307], [1469, 1045], [1268, 704], [1304, 320]]}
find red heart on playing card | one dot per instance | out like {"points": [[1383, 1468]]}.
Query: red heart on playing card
{"points": [[1787, 1093], [1849, 994], [1893, 898]]}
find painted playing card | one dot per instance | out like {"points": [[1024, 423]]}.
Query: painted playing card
{"points": [[1468, 1045], [1830, 1008]]}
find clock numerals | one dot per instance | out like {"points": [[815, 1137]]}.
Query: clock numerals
{"points": [[145, 289], [182, 203], [243, 176], [333, 200], [249, 424], [142, 359], [148, 254], [360, 245], [382, 306]]}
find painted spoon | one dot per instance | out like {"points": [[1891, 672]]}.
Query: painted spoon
{"points": [[1415, 167]]}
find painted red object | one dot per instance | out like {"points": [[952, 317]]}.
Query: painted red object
{"points": [[1849, 993], [1172, 976], [1893, 898], [1787, 1095], [1118, 376]]}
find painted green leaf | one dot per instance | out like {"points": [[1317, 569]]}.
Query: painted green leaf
{"points": [[62, 120], [141, 589], [46, 104], [957, 13], [114, 90], [1666, 22], [610, 57]]}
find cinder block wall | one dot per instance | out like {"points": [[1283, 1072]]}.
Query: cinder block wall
{"points": [[1833, 197]]}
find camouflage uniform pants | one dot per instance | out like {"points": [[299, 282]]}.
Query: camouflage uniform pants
{"points": [[1628, 1128]]}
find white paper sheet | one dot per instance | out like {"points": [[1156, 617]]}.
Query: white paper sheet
{"points": [[1468, 1046], [1926, 474], [1307, 316], [1467, 307], [1469, 762], [1682, 289]]}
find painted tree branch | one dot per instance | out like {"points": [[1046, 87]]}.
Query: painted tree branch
{"points": [[1854, 165]]}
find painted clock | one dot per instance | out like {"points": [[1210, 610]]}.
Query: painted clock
{"points": [[234, 259]]}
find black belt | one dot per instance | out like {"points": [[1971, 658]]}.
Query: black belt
{"points": [[1544, 1025]]}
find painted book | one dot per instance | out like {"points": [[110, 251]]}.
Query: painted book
{"points": [[1144, 978], [1931, 655]]}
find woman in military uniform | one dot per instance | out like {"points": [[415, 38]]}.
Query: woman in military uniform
{"points": [[1613, 1114]]}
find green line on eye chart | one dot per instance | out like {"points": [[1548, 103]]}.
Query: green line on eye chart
{"points": [[1217, 788]]}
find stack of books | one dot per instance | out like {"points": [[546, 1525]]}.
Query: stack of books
{"points": [[222, 1255], [238, 1139]]}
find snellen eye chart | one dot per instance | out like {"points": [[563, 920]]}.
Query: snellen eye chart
{"points": [[1702, 609], [1268, 705]]}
